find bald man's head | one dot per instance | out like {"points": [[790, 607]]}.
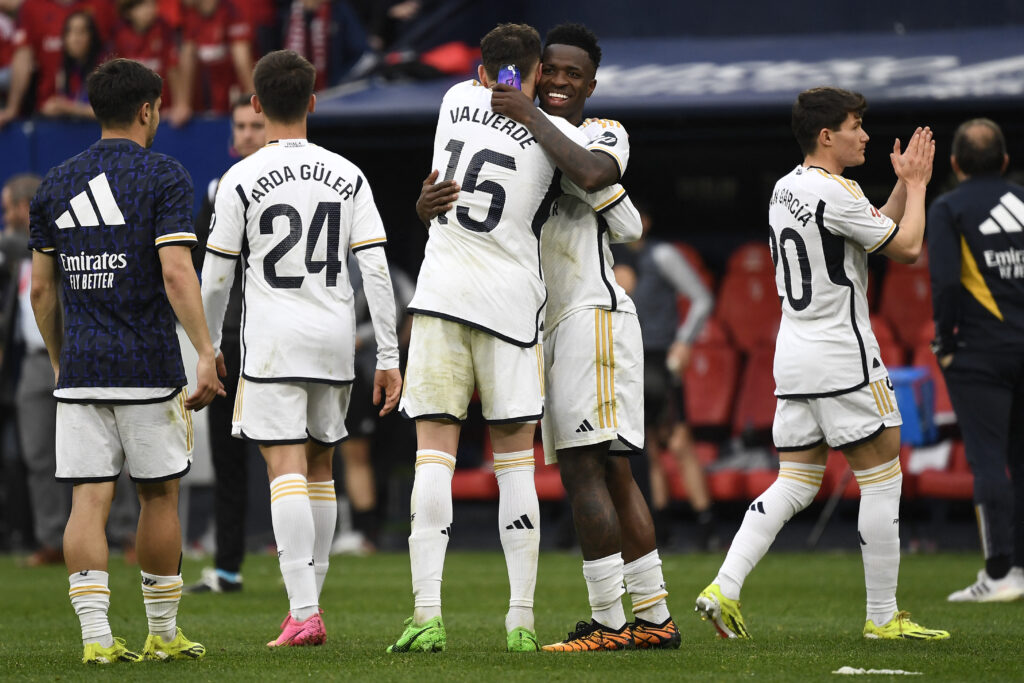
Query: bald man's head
{"points": [[979, 148]]}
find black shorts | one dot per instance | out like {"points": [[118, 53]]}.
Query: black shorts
{"points": [[361, 420], [664, 398]]}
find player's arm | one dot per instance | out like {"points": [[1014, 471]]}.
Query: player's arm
{"points": [[615, 207], [21, 75], [241, 56], [368, 241], [182, 287], [46, 306], [435, 198], [184, 78], [674, 268], [944, 267], [590, 170], [914, 169]]}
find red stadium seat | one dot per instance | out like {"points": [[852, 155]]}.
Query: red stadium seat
{"points": [[923, 357], [727, 484], [906, 300], [712, 334], [755, 403], [955, 482], [752, 257], [710, 382], [748, 306]]}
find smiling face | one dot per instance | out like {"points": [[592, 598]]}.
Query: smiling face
{"points": [[850, 141], [566, 81]]}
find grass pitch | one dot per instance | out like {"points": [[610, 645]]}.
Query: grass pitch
{"points": [[805, 612]]}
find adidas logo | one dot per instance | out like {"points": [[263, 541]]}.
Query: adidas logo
{"points": [[585, 426], [148, 582], [1006, 216], [88, 207], [757, 507], [447, 531], [522, 523]]}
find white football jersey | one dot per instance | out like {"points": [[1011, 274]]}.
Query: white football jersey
{"points": [[482, 261], [575, 239], [293, 211], [822, 229]]}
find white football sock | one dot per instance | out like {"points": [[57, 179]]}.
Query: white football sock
{"points": [[431, 524], [519, 530], [323, 503], [292, 519], [792, 491], [604, 586], [646, 586], [161, 595], [90, 598], [878, 525]]}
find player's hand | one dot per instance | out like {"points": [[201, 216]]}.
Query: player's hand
{"points": [[208, 387], [179, 115], [436, 198], [914, 165], [222, 367], [677, 358], [511, 102], [388, 383]]}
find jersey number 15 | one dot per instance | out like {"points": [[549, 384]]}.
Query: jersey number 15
{"points": [[470, 184]]}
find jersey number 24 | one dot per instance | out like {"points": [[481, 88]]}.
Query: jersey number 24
{"points": [[326, 214]]}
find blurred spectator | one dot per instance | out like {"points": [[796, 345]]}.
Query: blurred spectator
{"points": [[82, 52], [8, 12], [229, 455], [655, 274], [362, 420], [38, 46], [216, 59], [261, 15], [35, 403], [327, 33], [144, 36]]}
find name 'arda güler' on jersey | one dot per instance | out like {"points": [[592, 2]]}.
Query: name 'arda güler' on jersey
{"points": [[317, 172], [498, 122]]}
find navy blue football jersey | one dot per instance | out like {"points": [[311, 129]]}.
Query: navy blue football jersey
{"points": [[103, 214]]}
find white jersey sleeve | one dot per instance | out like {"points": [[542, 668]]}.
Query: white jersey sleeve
{"points": [[367, 226], [852, 216], [227, 226], [608, 137]]}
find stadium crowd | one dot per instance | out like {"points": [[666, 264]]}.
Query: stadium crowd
{"points": [[205, 49]]}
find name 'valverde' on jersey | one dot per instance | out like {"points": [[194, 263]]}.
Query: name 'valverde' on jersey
{"points": [[575, 249], [482, 266], [822, 229], [294, 210], [103, 215]]}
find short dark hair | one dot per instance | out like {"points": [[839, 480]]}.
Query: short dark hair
{"points": [[244, 100], [118, 88], [819, 108], [22, 186], [979, 147], [284, 82], [517, 44], [576, 35]]}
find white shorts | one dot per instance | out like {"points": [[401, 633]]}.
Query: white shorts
{"points": [[95, 440], [594, 367], [290, 412], [841, 421], [447, 360]]}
